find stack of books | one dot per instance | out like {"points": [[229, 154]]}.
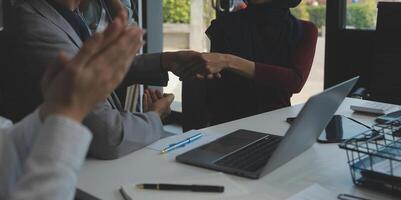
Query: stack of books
{"points": [[133, 100]]}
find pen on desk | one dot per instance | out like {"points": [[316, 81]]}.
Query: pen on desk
{"points": [[349, 197], [175, 187], [124, 194], [182, 143]]}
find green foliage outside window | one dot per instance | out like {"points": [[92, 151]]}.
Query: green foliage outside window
{"points": [[301, 11], [176, 11], [361, 16], [317, 15]]}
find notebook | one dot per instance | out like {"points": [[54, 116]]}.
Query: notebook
{"points": [[231, 189], [314, 192]]}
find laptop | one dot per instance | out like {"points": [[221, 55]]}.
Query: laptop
{"points": [[253, 154]]}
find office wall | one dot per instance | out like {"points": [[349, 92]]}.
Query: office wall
{"points": [[153, 22]]}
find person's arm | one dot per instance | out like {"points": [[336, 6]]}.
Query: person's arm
{"points": [[282, 78], [120, 133], [22, 136], [13, 156], [146, 69], [56, 157], [151, 69], [294, 78]]}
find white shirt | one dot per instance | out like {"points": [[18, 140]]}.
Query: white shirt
{"points": [[41, 160]]}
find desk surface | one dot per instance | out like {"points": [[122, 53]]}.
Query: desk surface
{"points": [[324, 164]]}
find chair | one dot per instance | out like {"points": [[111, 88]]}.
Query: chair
{"points": [[382, 82], [194, 110]]}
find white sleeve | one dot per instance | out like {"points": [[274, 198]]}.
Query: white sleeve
{"points": [[50, 171], [24, 134]]}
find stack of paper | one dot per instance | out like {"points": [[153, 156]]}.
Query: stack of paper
{"points": [[231, 189]]}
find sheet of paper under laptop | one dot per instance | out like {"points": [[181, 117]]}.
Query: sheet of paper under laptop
{"points": [[314, 192], [231, 189]]}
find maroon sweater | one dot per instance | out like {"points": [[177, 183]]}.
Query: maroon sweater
{"points": [[235, 97], [294, 78]]}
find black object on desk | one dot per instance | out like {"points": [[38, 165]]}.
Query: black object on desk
{"points": [[339, 129], [388, 117], [175, 187]]}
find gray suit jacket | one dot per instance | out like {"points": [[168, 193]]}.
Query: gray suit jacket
{"points": [[40, 33]]}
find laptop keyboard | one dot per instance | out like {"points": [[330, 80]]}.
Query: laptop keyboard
{"points": [[252, 157]]}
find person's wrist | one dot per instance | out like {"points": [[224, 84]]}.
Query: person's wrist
{"points": [[157, 111], [227, 60], [74, 113], [167, 60]]}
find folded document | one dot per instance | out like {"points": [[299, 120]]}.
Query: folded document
{"points": [[231, 189]]}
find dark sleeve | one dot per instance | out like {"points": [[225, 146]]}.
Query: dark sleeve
{"points": [[215, 33], [146, 69], [293, 78]]}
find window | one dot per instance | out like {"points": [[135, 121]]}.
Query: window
{"points": [[362, 14], [314, 11], [183, 29]]}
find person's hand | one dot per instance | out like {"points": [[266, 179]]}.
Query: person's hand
{"points": [[72, 87], [214, 63], [149, 98], [187, 65], [118, 7], [157, 102]]}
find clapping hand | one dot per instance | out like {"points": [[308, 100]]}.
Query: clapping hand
{"points": [[72, 87], [154, 100]]}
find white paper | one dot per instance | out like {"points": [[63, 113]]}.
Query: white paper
{"points": [[163, 143], [314, 192], [231, 189]]}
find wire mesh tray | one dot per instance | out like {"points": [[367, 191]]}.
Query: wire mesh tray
{"points": [[374, 157]]}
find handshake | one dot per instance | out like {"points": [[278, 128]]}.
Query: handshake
{"points": [[195, 65], [186, 65]]}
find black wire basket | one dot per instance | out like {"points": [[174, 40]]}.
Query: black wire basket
{"points": [[374, 157]]}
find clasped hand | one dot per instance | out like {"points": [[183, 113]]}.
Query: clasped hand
{"points": [[192, 64]]}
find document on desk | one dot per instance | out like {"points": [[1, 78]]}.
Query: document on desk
{"points": [[314, 192], [231, 189], [165, 142]]}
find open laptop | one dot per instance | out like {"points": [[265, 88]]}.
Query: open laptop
{"points": [[252, 154]]}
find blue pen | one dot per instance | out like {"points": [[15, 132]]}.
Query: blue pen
{"points": [[182, 143]]}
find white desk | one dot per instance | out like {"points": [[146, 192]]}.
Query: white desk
{"points": [[324, 164]]}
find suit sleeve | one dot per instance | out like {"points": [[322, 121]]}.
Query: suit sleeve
{"points": [[120, 133], [146, 69]]}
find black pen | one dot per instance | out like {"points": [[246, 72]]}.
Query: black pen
{"points": [[349, 197], [175, 187]]}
